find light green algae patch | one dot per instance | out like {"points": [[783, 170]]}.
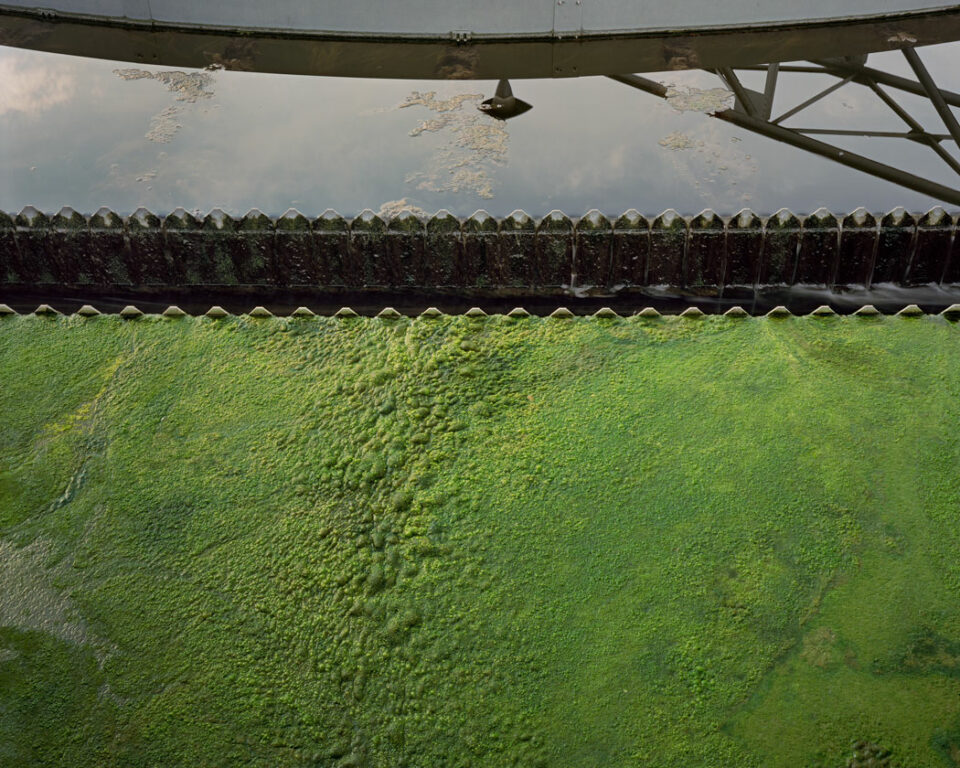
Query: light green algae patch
{"points": [[479, 542]]}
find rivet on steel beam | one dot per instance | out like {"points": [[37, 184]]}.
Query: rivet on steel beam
{"points": [[88, 311]]}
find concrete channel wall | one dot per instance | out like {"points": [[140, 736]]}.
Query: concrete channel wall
{"points": [[480, 255]]}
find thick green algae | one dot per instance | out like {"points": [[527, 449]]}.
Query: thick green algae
{"points": [[459, 542]]}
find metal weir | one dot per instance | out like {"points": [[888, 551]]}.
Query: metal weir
{"points": [[593, 255]]}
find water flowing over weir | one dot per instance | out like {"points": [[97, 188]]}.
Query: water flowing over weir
{"points": [[669, 260]]}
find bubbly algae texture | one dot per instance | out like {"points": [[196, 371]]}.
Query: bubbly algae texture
{"points": [[468, 542]]}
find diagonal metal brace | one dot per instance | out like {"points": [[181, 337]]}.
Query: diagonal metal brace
{"points": [[934, 93], [799, 140]]}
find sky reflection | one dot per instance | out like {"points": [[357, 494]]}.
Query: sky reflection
{"points": [[74, 132]]}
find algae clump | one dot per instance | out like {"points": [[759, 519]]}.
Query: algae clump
{"points": [[537, 543]]}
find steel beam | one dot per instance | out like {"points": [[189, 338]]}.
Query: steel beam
{"points": [[934, 94], [864, 75], [799, 140]]}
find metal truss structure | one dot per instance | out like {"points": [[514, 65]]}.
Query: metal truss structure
{"points": [[753, 111]]}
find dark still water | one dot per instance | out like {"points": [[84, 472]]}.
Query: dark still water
{"points": [[86, 133]]}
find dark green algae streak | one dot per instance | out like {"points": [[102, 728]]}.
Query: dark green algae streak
{"points": [[502, 542]]}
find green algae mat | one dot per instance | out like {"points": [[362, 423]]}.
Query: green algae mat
{"points": [[458, 542]]}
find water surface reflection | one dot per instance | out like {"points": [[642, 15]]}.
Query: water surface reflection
{"points": [[87, 133]]}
